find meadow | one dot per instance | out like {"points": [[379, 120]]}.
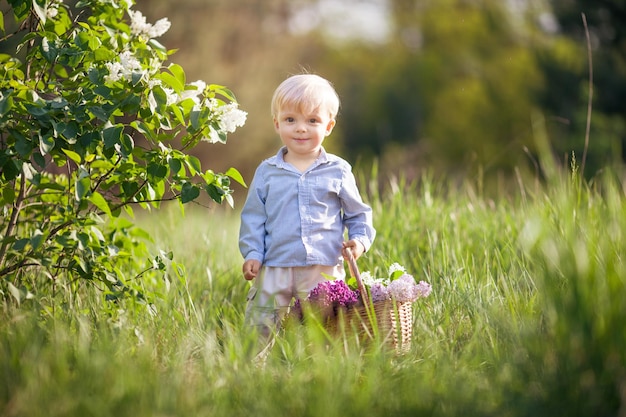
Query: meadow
{"points": [[526, 318]]}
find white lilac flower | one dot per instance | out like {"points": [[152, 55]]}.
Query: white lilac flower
{"points": [[367, 278], [53, 9], [115, 72], [396, 267], [230, 117], [400, 286], [139, 27], [159, 28], [125, 68], [172, 97], [213, 137], [194, 93]]}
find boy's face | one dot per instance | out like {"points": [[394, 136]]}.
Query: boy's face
{"points": [[303, 133]]}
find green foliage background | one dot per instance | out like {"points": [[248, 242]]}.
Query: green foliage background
{"points": [[455, 89]]}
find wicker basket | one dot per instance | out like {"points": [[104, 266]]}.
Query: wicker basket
{"points": [[389, 321]]}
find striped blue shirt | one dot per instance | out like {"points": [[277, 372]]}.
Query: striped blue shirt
{"points": [[292, 218]]}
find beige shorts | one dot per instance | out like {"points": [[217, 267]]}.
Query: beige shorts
{"points": [[274, 290]]}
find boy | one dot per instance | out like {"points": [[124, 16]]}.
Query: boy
{"points": [[298, 206]]}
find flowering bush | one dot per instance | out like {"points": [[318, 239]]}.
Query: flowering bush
{"points": [[95, 121], [399, 286]]}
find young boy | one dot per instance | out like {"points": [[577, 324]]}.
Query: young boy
{"points": [[299, 204]]}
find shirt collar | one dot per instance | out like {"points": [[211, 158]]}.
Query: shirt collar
{"points": [[280, 157]]}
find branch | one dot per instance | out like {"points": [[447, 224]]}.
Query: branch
{"points": [[15, 212], [106, 175]]}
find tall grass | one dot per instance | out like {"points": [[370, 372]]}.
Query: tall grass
{"points": [[526, 318]]}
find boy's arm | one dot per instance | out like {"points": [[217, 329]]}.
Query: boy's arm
{"points": [[357, 216], [252, 228]]}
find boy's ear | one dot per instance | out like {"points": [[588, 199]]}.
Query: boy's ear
{"points": [[330, 126]]}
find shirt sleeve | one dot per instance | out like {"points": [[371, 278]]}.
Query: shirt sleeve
{"points": [[253, 219], [357, 216]]}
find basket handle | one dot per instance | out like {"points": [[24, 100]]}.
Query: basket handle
{"points": [[354, 271]]}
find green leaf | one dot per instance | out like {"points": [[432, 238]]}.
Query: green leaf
{"points": [[87, 41], [178, 114], [193, 164], [236, 175], [23, 146], [175, 165], [172, 82], [48, 50], [160, 98], [97, 200], [39, 160], [395, 275], [39, 11], [8, 194], [157, 171], [10, 169], [126, 146], [94, 43], [37, 239], [178, 72], [189, 193], [216, 193], [112, 136], [72, 155], [6, 102], [82, 188], [100, 113], [2, 22], [223, 91], [46, 144], [15, 292]]}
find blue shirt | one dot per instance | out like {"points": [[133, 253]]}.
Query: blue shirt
{"points": [[292, 218]]}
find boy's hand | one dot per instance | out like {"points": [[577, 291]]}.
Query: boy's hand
{"points": [[353, 246], [251, 269]]}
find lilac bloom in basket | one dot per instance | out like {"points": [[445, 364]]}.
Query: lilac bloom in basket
{"points": [[333, 293], [400, 286], [327, 297]]}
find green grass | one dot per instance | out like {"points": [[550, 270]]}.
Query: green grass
{"points": [[526, 319]]}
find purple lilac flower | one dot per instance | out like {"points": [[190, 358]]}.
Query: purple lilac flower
{"points": [[379, 292], [423, 289], [403, 289], [333, 293]]}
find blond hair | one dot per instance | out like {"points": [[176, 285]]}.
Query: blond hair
{"points": [[306, 93]]}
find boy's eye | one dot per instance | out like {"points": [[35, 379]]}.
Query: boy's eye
{"points": [[313, 121], [289, 119]]}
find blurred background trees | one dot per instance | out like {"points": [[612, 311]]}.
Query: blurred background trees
{"points": [[453, 87]]}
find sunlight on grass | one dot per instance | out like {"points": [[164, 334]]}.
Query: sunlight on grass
{"points": [[525, 319]]}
